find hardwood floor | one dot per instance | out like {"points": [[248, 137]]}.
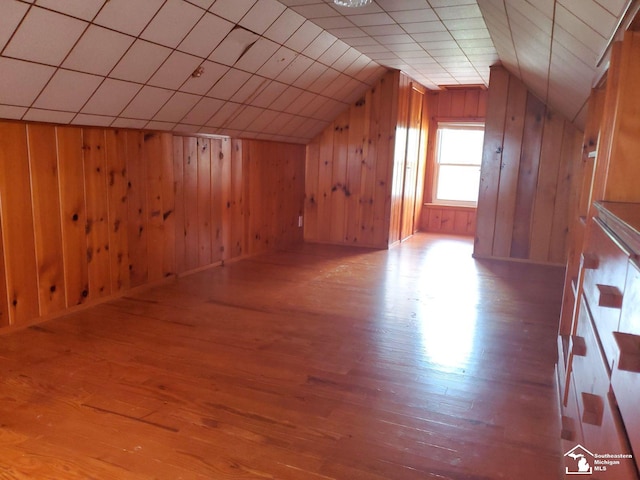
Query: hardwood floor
{"points": [[320, 362]]}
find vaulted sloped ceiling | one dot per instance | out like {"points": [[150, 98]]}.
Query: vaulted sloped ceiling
{"points": [[279, 70]]}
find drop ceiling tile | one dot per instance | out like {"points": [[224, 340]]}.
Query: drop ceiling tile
{"points": [[92, 120], [128, 16], [229, 84], [262, 15], [475, 43], [337, 86], [234, 46], [382, 56], [206, 35], [392, 39], [263, 120], [147, 103], [348, 34], [111, 97], [310, 108], [296, 68], [98, 50], [319, 45], [369, 49], [316, 10], [455, 12], [12, 13], [68, 91], [175, 70], [277, 63], [161, 126], [333, 53], [286, 98], [310, 75], [84, 9], [472, 34], [424, 27], [323, 82], [279, 122], [183, 128], [128, 122], [303, 36], [250, 90], [232, 10], [594, 15], [202, 3], [244, 118], [140, 62], [11, 112], [257, 55], [356, 65], [45, 37], [384, 30], [582, 32], [343, 63], [284, 26], [415, 55], [368, 20], [330, 110], [227, 111], [397, 5], [48, 116], [432, 37], [21, 82], [211, 74], [615, 7], [411, 16], [176, 107], [172, 23], [329, 23], [269, 94], [371, 8], [464, 23], [480, 51], [300, 102], [203, 111]]}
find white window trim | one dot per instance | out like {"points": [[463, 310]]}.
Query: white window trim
{"points": [[436, 164]]}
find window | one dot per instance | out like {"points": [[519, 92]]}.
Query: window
{"points": [[457, 166]]}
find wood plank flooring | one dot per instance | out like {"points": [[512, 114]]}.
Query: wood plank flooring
{"points": [[320, 362]]}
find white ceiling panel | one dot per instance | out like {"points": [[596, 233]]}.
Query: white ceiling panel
{"points": [[44, 37], [67, 91], [279, 69]]}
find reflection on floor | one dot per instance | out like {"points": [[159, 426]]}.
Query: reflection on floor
{"points": [[316, 363]]}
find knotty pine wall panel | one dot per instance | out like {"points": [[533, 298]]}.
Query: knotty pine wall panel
{"points": [[349, 172], [89, 213], [531, 173]]}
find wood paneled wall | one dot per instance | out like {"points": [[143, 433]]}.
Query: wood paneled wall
{"points": [[457, 105], [360, 188], [531, 176], [349, 170], [89, 213]]}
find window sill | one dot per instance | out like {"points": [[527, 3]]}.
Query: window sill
{"points": [[451, 206]]}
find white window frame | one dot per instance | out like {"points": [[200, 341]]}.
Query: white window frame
{"points": [[436, 167]]}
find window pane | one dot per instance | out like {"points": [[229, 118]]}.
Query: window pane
{"points": [[458, 183], [460, 146]]}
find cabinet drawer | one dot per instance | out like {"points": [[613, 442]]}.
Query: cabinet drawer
{"points": [[605, 266], [601, 424], [625, 378], [571, 426]]}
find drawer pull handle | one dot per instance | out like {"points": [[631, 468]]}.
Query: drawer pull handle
{"points": [[593, 409], [609, 296], [629, 346], [579, 346], [589, 261]]}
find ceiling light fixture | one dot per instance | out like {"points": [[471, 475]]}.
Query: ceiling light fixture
{"points": [[352, 3]]}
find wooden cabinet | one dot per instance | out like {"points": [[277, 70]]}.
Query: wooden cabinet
{"points": [[599, 333]]}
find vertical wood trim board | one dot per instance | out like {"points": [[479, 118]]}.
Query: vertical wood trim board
{"points": [[89, 213], [531, 171]]}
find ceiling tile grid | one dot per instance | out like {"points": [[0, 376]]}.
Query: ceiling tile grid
{"points": [[280, 69], [132, 64]]}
